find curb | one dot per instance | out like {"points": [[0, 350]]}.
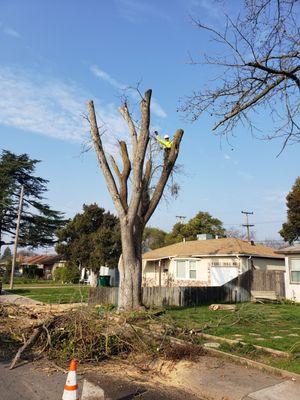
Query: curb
{"points": [[237, 359], [234, 341]]}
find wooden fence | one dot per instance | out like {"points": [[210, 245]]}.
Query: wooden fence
{"points": [[268, 281], [237, 290]]}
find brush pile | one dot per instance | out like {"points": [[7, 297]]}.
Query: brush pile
{"points": [[87, 334]]}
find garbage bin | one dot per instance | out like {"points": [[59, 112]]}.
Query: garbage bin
{"points": [[104, 280]]}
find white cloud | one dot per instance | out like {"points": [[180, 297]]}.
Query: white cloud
{"points": [[39, 104], [9, 31], [227, 157], [139, 10], [106, 77], [99, 73], [245, 175], [211, 9]]}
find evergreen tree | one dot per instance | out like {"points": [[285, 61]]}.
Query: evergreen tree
{"points": [[153, 238], [203, 222], [6, 254], [38, 222], [291, 229], [90, 239]]}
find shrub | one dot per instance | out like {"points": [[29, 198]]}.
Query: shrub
{"points": [[68, 274]]}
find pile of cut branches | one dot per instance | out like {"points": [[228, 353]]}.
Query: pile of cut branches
{"points": [[90, 336]]}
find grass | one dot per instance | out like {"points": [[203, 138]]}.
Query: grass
{"points": [[276, 326], [61, 295], [21, 281]]}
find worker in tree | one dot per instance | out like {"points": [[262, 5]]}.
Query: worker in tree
{"points": [[166, 143]]}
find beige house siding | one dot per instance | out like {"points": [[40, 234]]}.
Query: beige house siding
{"points": [[151, 269], [268, 264]]}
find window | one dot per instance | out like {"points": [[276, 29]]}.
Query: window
{"points": [[192, 270], [186, 269], [180, 269], [295, 270]]}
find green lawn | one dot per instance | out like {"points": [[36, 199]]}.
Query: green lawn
{"points": [[73, 294], [32, 282], [275, 326]]}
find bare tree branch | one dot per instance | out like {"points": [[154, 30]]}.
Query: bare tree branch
{"points": [[111, 184], [261, 71], [127, 117], [139, 157]]}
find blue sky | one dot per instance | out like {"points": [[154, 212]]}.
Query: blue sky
{"points": [[56, 55]]}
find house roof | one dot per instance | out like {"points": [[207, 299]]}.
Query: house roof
{"points": [[290, 250], [42, 259], [211, 247]]}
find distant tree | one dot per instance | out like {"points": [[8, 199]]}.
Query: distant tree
{"points": [[203, 222], [153, 238], [176, 235], [90, 239], [291, 229], [257, 63], [274, 243], [6, 256], [239, 234], [235, 233], [38, 221]]}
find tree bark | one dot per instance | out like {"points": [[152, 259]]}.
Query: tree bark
{"points": [[130, 270]]}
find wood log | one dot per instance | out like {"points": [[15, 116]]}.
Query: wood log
{"points": [[224, 307]]}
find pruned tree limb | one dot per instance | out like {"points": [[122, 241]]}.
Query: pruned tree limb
{"points": [[139, 157], [124, 175], [127, 117], [167, 168], [110, 181]]}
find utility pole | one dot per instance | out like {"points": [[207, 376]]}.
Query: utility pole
{"points": [[181, 218], [14, 259], [247, 225]]}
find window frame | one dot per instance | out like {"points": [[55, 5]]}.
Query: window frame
{"points": [[290, 270], [187, 268]]}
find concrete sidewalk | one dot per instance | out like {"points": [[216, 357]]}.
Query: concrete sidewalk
{"points": [[285, 390], [7, 297], [217, 378]]}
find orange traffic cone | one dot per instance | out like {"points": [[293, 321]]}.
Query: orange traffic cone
{"points": [[71, 386]]}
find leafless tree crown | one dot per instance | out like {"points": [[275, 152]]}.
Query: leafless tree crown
{"points": [[137, 170], [260, 64]]}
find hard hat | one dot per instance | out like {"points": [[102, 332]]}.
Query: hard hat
{"points": [[166, 137]]}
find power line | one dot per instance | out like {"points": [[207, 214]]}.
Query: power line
{"points": [[257, 223], [247, 225]]}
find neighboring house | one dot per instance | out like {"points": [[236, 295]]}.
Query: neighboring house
{"points": [[47, 263], [292, 272], [211, 262]]}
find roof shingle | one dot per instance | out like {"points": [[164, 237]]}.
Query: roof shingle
{"points": [[211, 247]]}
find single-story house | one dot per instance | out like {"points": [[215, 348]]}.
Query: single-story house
{"points": [[292, 272], [210, 262], [44, 262]]}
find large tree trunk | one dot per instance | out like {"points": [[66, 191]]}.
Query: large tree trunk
{"points": [[130, 270]]}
